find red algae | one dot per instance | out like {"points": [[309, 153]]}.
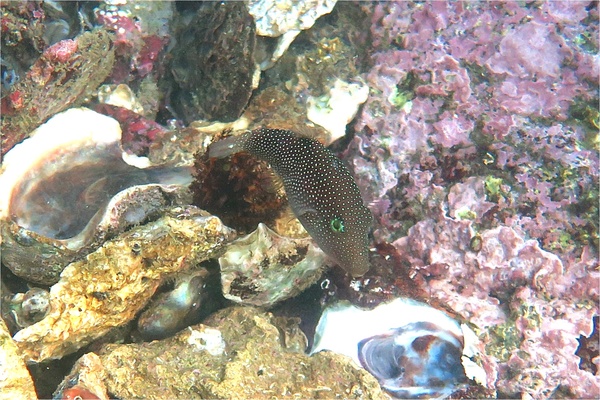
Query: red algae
{"points": [[66, 72]]}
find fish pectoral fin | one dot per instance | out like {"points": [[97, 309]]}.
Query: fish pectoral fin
{"points": [[306, 212], [309, 218], [287, 215]]}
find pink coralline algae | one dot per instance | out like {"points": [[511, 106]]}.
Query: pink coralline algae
{"points": [[62, 51], [478, 150], [137, 45], [531, 308], [139, 132], [462, 89], [532, 49]]}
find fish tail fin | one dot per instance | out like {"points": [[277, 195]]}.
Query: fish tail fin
{"points": [[228, 146]]}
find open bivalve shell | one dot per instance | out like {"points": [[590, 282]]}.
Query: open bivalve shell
{"points": [[414, 350], [69, 187]]}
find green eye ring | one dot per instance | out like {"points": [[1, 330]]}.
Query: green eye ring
{"points": [[337, 225]]}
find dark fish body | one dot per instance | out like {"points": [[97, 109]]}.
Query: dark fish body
{"points": [[320, 190]]}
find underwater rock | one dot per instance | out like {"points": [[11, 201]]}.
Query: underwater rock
{"points": [[285, 21], [15, 380], [171, 311], [139, 133], [275, 106], [86, 380], [521, 298], [414, 350], [69, 187], [313, 68], [141, 32], [184, 144], [110, 286], [237, 353], [213, 65], [66, 72], [264, 268], [23, 26]]}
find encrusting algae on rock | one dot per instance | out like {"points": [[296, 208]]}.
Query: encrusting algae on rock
{"points": [[320, 190], [110, 286], [236, 353], [264, 268]]}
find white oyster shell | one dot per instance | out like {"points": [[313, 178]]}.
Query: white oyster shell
{"points": [[275, 17], [285, 20], [335, 110], [69, 186], [264, 268]]}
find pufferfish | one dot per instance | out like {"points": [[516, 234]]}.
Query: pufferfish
{"points": [[320, 191]]}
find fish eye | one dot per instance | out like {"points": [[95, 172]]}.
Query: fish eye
{"points": [[337, 225]]}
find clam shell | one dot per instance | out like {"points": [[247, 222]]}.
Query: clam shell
{"points": [[413, 350], [69, 187], [172, 311], [414, 361]]}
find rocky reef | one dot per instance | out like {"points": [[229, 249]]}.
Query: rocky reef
{"points": [[66, 72], [126, 272], [236, 353]]}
